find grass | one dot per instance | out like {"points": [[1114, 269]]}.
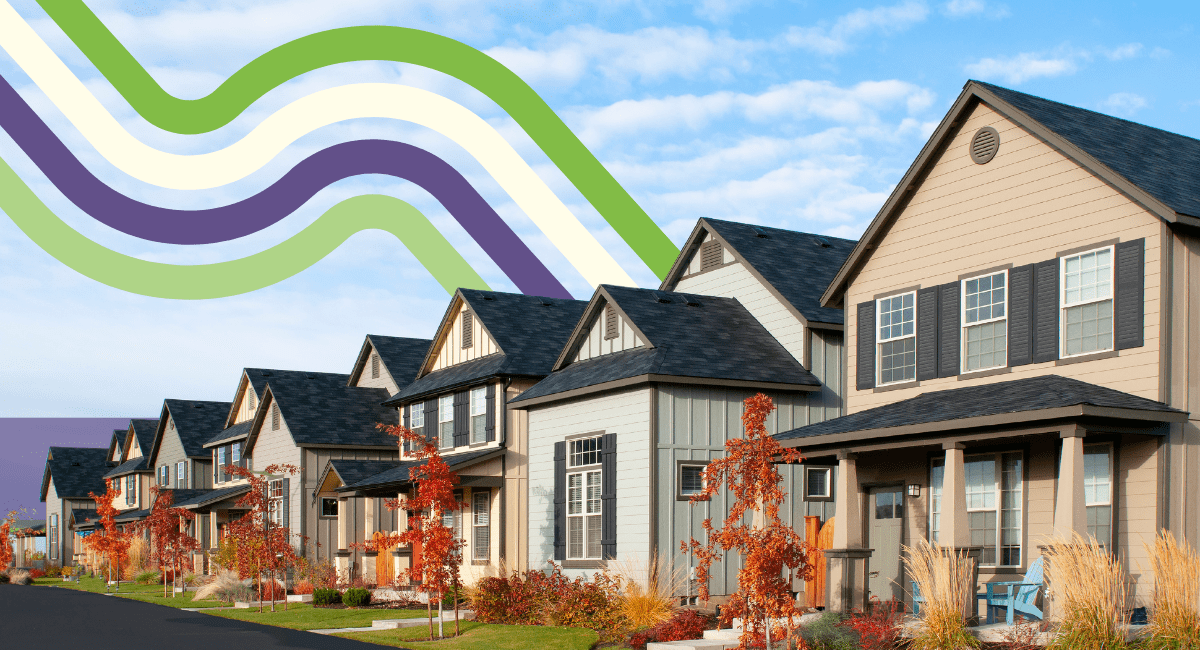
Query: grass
{"points": [[948, 587], [482, 636], [1175, 622], [1091, 593], [306, 617], [178, 600], [145, 593]]}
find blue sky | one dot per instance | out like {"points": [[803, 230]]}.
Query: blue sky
{"points": [[800, 115]]}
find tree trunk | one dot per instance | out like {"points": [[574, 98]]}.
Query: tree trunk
{"points": [[441, 616], [456, 632], [164, 577], [260, 588], [429, 608]]}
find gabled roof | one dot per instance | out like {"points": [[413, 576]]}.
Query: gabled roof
{"points": [[322, 411], [76, 471], [116, 445], [235, 432], [349, 471], [195, 424], [796, 266], [689, 338], [1034, 398], [398, 474], [529, 330], [257, 379], [1154, 168], [207, 497], [132, 516], [143, 431], [402, 357], [131, 466]]}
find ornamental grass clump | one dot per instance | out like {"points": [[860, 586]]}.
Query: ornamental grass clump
{"points": [[1175, 618], [648, 589], [226, 587], [946, 582], [1090, 591]]}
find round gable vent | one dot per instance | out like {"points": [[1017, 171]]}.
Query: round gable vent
{"points": [[984, 145]]}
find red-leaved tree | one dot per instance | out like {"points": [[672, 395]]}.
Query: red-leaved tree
{"points": [[437, 566], [264, 548], [773, 554], [169, 541], [6, 549], [109, 542]]}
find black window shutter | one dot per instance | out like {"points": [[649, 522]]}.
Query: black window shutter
{"points": [[1020, 315], [462, 419], [490, 420], [866, 346], [927, 333], [431, 420], [1128, 308], [948, 329], [560, 501], [286, 502], [406, 420], [1045, 311], [608, 496]]}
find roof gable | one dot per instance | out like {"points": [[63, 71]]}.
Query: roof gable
{"points": [[76, 471], [194, 422], [321, 410], [400, 357], [253, 380], [116, 446]]}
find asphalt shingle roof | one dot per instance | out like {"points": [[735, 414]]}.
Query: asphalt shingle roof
{"points": [[399, 472], [239, 430], [76, 471], [197, 499], [529, 330], [1162, 163], [401, 356], [132, 515], [1020, 395], [795, 263], [715, 339], [353, 471], [144, 431], [32, 525], [128, 467], [320, 409], [196, 422]]}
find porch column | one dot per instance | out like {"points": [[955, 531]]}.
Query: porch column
{"points": [[952, 528], [402, 554], [342, 559], [1070, 514], [847, 563], [370, 517]]}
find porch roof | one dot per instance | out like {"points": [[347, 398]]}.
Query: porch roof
{"points": [[208, 497], [1003, 403], [398, 475]]}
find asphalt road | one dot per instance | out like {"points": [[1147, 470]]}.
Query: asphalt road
{"points": [[45, 617]]}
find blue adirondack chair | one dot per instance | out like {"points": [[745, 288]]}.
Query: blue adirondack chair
{"points": [[1017, 597]]}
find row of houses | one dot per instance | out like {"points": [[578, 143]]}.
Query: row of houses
{"points": [[1008, 355]]}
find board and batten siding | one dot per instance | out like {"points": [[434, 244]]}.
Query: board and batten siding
{"points": [[693, 424], [452, 352], [624, 413], [1181, 386], [244, 412], [596, 345], [277, 447], [170, 452], [54, 506], [322, 532], [516, 478], [1025, 206], [384, 380]]}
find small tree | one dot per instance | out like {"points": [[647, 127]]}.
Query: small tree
{"points": [[263, 548], [109, 542], [6, 548], [773, 554], [169, 541]]}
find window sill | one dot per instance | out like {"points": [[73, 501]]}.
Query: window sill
{"points": [[583, 564], [812, 498], [975, 374], [476, 445], [896, 386], [480, 562], [1091, 356], [688, 497]]}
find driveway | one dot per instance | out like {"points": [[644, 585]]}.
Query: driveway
{"points": [[47, 617]]}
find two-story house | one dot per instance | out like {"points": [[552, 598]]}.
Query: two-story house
{"points": [[489, 347], [1021, 340], [71, 474], [133, 475]]}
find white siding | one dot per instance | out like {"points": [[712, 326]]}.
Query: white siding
{"points": [[384, 380], [626, 414], [597, 345], [244, 412], [54, 507], [736, 281]]}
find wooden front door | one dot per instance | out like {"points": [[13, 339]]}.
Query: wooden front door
{"points": [[385, 564], [886, 532]]}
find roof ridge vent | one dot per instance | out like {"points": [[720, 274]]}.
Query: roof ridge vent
{"points": [[662, 297], [197, 405], [265, 373], [690, 300], [760, 233], [544, 302], [821, 241], [486, 296]]}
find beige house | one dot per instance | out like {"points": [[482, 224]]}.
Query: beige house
{"points": [[71, 474], [1021, 338], [133, 475]]}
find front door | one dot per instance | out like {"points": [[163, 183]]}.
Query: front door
{"points": [[886, 529]]}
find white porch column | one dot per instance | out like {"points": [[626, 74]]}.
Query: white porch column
{"points": [[371, 519], [342, 555], [847, 563], [1070, 513], [953, 531]]}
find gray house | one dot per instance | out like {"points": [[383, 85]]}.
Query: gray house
{"points": [[71, 474]]}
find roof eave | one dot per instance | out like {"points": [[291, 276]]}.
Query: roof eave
{"points": [[654, 378], [581, 330]]}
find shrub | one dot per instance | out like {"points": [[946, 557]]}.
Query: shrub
{"points": [[879, 630], [828, 633], [279, 592], [19, 577], [320, 574], [947, 585], [53, 569], [356, 597], [4, 577], [147, 578], [303, 587], [1090, 590], [226, 587], [37, 573], [326, 597], [1175, 622], [683, 626], [453, 594], [537, 598]]}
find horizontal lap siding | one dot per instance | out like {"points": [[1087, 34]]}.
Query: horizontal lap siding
{"points": [[1025, 206], [277, 448], [170, 452], [627, 414], [1136, 514]]}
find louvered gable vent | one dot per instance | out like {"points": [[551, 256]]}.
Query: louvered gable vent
{"points": [[984, 145], [611, 324], [374, 366], [468, 329], [711, 255]]}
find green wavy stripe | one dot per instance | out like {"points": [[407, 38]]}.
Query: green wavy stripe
{"points": [[370, 43], [302, 250]]}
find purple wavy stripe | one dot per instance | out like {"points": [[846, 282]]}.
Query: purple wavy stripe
{"points": [[251, 215]]}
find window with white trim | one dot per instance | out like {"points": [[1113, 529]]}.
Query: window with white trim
{"points": [[937, 475], [1097, 491], [478, 415], [235, 454], [164, 476], [446, 421], [275, 501], [329, 507], [481, 508], [897, 320], [994, 497], [583, 499], [1086, 300], [985, 322], [53, 537], [181, 474], [452, 518], [131, 489], [818, 482]]}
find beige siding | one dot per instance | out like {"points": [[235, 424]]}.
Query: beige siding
{"points": [[596, 345], [54, 506], [1025, 206], [366, 378], [516, 481], [1136, 512], [453, 353], [1182, 390], [243, 399], [277, 447], [170, 452]]}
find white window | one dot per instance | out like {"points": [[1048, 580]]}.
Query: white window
{"points": [[994, 498], [583, 500], [53, 537], [130, 489], [897, 338], [817, 482], [481, 504], [416, 416], [937, 474], [446, 421], [1087, 316], [985, 322], [1097, 491], [452, 518], [180, 474], [478, 415], [164, 478], [275, 502], [221, 464], [691, 480], [235, 454]]}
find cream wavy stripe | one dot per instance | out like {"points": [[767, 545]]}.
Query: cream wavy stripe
{"points": [[288, 124]]}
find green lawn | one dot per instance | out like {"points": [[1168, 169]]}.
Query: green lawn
{"points": [[178, 600], [146, 593], [306, 617], [481, 636]]}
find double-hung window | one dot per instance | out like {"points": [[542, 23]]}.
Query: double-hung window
{"points": [[1097, 491], [985, 322], [481, 508], [180, 474], [235, 457], [275, 501], [897, 338], [164, 476], [221, 463], [416, 421], [53, 537], [1087, 305], [452, 517], [131, 489], [937, 476], [446, 421], [995, 487], [583, 499], [478, 415]]}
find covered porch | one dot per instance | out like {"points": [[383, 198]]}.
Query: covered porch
{"points": [[996, 471]]}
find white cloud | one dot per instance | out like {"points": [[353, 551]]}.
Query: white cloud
{"points": [[836, 38], [965, 8], [1127, 51], [720, 10], [1021, 67], [1124, 104]]}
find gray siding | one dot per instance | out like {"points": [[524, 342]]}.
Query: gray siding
{"points": [[277, 448], [322, 533], [170, 451], [828, 365]]}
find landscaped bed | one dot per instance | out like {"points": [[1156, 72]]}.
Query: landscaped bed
{"points": [[306, 617], [482, 636]]}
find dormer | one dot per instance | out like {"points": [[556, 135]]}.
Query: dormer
{"points": [[388, 362], [462, 337], [608, 330]]}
